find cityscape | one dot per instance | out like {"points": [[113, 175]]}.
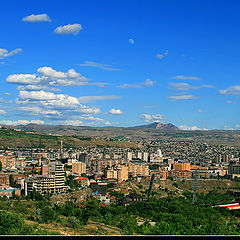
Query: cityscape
{"points": [[119, 118]]}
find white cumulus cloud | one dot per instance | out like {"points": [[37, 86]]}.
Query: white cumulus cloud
{"points": [[49, 76], [152, 117], [68, 29], [20, 122], [37, 18], [193, 128], [115, 111]]}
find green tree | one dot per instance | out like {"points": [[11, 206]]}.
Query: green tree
{"points": [[13, 224]]}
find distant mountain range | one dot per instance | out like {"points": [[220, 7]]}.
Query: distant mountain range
{"points": [[153, 131], [159, 126], [76, 130]]}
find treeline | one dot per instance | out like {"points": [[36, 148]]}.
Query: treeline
{"points": [[172, 215]]}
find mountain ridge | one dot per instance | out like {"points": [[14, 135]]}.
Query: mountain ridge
{"points": [[159, 126]]}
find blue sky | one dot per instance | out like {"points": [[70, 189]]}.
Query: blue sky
{"points": [[120, 63]]}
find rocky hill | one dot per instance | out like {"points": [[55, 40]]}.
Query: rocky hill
{"points": [[159, 126]]}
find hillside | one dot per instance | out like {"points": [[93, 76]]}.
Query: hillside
{"points": [[222, 137], [11, 138], [160, 126]]}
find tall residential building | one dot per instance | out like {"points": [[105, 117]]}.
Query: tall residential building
{"points": [[219, 158], [52, 182], [129, 156], [145, 157], [139, 155], [120, 173], [79, 167]]}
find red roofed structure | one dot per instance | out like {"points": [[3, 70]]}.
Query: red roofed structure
{"points": [[231, 206]]}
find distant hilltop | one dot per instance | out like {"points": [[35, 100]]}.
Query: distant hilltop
{"points": [[159, 126]]}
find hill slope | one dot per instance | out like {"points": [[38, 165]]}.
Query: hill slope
{"points": [[13, 139], [160, 126]]}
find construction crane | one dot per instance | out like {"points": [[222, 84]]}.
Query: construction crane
{"points": [[150, 186]]}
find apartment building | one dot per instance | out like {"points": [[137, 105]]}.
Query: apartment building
{"points": [[79, 167], [138, 169], [52, 182]]}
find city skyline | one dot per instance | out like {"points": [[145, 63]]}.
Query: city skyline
{"points": [[120, 63]]}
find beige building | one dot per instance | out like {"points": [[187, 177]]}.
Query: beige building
{"points": [[78, 167], [120, 172], [138, 169], [111, 173]]}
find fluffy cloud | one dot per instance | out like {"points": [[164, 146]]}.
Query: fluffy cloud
{"points": [[187, 86], [182, 97], [54, 101], [37, 110], [49, 76], [20, 122], [68, 29], [99, 65], [37, 18], [5, 53], [186, 78], [233, 90], [87, 99], [193, 128], [115, 111], [23, 79], [152, 118], [37, 88], [38, 95]]}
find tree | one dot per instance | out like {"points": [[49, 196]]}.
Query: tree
{"points": [[13, 224]]}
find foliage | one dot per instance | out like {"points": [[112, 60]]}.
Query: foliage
{"points": [[13, 183], [172, 215], [72, 183], [12, 224]]}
